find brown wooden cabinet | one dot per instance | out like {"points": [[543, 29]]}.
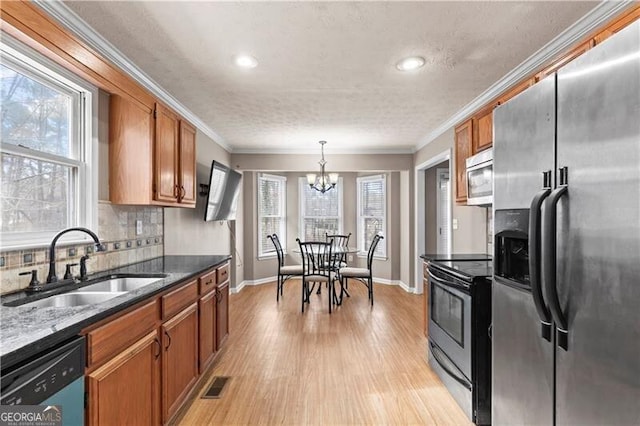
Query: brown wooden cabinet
{"points": [[222, 313], [142, 364], [125, 390], [627, 18], [152, 155], [516, 90], [207, 330], [179, 359], [462, 147], [482, 130], [130, 152], [187, 165], [166, 151], [565, 59]]}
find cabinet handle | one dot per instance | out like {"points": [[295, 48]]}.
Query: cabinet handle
{"points": [[184, 192], [169, 343], [176, 191], [218, 295], [157, 341]]}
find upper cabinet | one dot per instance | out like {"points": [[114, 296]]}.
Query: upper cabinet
{"points": [[482, 130], [463, 136], [617, 25], [187, 166], [564, 59], [152, 156]]}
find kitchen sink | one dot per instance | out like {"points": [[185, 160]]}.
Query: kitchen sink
{"points": [[120, 284], [74, 298]]}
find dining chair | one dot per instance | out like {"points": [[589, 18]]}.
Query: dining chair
{"points": [[318, 266], [342, 242], [364, 275], [284, 271]]}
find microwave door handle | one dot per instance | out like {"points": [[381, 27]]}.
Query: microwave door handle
{"points": [[535, 220], [549, 270]]}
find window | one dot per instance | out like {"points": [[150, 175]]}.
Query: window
{"points": [[372, 208], [272, 212], [46, 149], [320, 214]]}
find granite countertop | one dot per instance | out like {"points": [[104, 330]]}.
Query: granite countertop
{"points": [[26, 331]]}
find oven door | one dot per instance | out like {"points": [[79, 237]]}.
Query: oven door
{"points": [[450, 319]]}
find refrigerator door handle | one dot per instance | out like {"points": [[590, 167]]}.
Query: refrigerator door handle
{"points": [[535, 216], [549, 269]]}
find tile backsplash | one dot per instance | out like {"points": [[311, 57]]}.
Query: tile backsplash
{"points": [[116, 230]]}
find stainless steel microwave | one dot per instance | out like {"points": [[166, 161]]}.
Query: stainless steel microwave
{"points": [[480, 179]]}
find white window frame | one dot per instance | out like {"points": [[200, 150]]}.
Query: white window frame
{"points": [[282, 234], [302, 184], [84, 199], [382, 245]]}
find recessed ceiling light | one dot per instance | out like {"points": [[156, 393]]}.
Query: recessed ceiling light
{"points": [[245, 61], [410, 63]]}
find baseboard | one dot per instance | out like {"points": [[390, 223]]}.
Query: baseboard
{"points": [[267, 280], [394, 282], [245, 283]]}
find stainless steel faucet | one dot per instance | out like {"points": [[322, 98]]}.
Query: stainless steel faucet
{"points": [[51, 278]]}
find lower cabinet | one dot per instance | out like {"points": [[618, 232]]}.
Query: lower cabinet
{"points": [[222, 314], [179, 359], [126, 390], [144, 363], [207, 329]]}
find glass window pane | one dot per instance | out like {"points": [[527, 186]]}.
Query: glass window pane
{"points": [[316, 229], [35, 195], [319, 204], [270, 225], [34, 115]]}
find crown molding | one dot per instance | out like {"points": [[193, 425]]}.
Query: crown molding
{"points": [[70, 20], [332, 151], [598, 16]]}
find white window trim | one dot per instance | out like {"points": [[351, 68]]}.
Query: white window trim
{"points": [[302, 184], [283, 230], [86, 201], [362, 250]]}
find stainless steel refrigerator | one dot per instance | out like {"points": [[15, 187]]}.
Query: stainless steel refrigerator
{"points": [[566, 292]]}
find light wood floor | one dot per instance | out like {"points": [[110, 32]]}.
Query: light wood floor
{"points": [[359, 365]]}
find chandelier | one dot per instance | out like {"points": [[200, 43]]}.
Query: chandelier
{"points": [[325, 181]]}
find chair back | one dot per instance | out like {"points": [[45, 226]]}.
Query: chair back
{"points": [[276, 242], [339, 242], [317, 257], [372, 249]]}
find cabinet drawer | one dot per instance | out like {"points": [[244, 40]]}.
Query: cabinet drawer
{"points": [[223, 273], [107, 340], [207, 282], [173, 302]]}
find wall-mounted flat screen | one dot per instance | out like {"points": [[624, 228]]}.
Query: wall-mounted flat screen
{"points": [[224, 186]]}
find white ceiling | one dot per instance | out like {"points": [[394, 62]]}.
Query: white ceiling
{"points": [[327, 69]]}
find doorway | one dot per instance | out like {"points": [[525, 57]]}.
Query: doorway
{"points": [[443, 220], [425, 217]]}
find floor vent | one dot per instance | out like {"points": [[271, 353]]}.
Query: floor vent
{"points": [[216, 388]]}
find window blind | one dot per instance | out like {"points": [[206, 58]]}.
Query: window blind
{"points": [[271, 212], [372, 208]]}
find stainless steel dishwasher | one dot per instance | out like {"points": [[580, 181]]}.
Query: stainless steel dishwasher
{"points": [[55, 377]]}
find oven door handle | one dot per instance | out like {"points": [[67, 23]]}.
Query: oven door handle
{"points": [[549, 270], [447, 283], [437, 354], [535, 234]]}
